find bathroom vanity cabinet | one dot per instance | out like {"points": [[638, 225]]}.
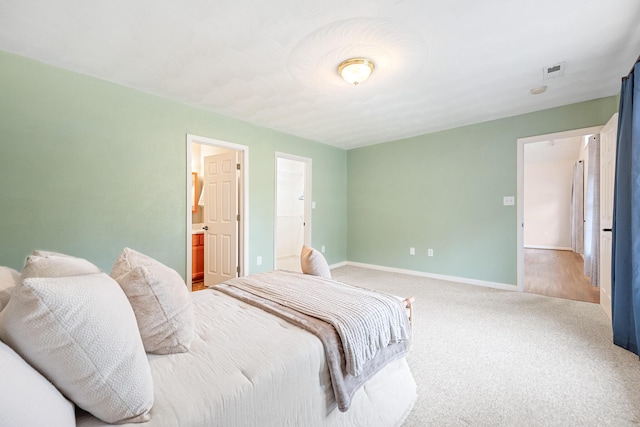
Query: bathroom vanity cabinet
{"points": [[197, 257]]}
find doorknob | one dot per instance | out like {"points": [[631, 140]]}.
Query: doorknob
{"points": [[606, 229], [206, 227]]}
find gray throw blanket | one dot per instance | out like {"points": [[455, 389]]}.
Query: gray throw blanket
{"points": [[351, 322]]}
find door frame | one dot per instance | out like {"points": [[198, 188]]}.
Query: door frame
{"points": [[520, 192], [243, 201], [307, 200]]}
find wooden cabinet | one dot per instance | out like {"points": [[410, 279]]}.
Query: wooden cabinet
{"points": [[197, 257]]}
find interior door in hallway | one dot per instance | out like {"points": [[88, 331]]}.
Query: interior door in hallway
{"points": [[220, 217], [608, 136]]}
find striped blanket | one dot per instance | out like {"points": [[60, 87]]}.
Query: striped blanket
{"points": [[361, 330], [366, 321]]}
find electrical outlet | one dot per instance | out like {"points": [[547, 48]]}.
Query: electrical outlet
{"points": [[508, 200], [322, 249], [412, 251], [430, 252], [259, 260]]}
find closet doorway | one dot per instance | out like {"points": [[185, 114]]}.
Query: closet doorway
{"points": [[552, 204], [292, 210], [217, 221]]}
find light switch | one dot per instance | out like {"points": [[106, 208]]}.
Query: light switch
{"points": [[509, 200], [313, 205]]}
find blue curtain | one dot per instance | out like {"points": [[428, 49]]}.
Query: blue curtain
{"points": [[625, 266]]}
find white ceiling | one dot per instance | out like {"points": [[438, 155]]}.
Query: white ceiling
{"points": [[439, 64]]}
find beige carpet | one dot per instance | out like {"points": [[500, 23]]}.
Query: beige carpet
{"points": [[485, 357]]}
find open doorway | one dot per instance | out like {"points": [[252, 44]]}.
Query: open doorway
{"points": [[293, 210], [552, 203], [217, 220]]}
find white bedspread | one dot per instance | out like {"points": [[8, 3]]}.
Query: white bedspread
{"points": [[247, 367], [363, 333]]}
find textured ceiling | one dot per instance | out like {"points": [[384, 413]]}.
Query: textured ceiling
{"points": [[273, 63]]}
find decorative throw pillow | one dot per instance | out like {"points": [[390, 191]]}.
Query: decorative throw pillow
{"points": [[51, 264], [28, 399], [160, 301], [40, 252], [9, 279], [80, 332], [313, 263]]}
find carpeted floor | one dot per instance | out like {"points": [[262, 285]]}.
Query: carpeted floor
{"points": [[486, 357]]}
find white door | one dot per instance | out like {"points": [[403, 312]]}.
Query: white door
{"points": [[220, 218], [608, 136]]}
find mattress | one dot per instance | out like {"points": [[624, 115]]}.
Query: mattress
{"points": [[247, 367]]}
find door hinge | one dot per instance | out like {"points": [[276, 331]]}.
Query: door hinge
{"points": [[238, 217], [238, 269], [238, 166]]}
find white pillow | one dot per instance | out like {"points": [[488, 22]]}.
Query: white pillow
{"points": [[40, 252], [160, 301], [81, 333], [28, 398], [312, 262], [51, 264], [9, 279]]}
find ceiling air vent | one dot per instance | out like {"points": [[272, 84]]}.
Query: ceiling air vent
{"points": [[553, 71]]}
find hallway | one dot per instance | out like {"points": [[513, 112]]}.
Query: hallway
{"points": [[557, 274]]}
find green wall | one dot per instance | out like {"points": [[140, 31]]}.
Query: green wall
{"points": [[444, 191], [88, 167]]}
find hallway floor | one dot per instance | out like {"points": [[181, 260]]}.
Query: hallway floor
{"points": [[557, 274]]}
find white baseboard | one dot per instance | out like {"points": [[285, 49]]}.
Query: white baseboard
{"points": [[555, 248], [486, 284], [340, 264]]}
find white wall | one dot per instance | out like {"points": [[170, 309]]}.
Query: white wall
{"points": [[290, 209], [547, 204]]}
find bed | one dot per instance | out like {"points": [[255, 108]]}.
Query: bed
{"points": [[246, 366]]}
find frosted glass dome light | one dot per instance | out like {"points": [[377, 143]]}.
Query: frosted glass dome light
{"points": [[355, 70]]}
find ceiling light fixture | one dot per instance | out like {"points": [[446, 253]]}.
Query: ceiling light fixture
{"points": [[538, 90], [356, 70]]}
